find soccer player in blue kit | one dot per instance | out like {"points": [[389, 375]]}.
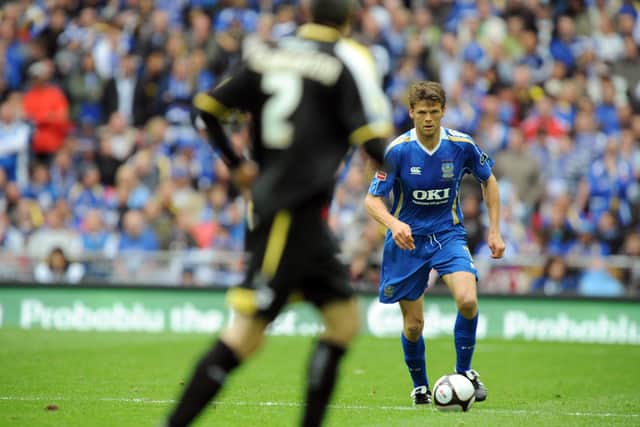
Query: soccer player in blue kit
{"points": [[424, 169]]}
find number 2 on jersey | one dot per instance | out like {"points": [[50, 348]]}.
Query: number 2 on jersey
{"points": [[286, 91]]}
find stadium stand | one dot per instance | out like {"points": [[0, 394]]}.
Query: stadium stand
{"points": [[98, 156]]}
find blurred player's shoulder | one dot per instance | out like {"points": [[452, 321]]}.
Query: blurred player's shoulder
{"points": [[399, 141]]}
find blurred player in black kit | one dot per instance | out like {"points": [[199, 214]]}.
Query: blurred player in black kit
{"points": [[311, 97]]}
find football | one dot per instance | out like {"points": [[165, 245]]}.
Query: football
{"points": [[453, 392]]}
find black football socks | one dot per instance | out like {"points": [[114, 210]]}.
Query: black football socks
{"points": [[323, 370], [208, 378]]}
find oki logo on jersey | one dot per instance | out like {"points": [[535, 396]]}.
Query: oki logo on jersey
{"points": [[381, 175], [431, 197]]}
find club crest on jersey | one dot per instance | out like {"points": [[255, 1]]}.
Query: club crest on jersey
{"points": [[415, 170], [447, 169], [381, 175]]}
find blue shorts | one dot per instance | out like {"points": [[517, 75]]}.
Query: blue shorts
{"points": [[404, 274]]}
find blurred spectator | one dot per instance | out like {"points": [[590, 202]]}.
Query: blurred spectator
{"points": [[471, 210], [542, 122], [10, 238], [40, 187], [181, 237], [131, 193], [606, 109], [586, 244], [63, 174], [596, 281], [14, 144], [604, 188], [85, 88], [632, 275], [525, 176], [556, 278], [54, 232], [177, 93], [121, 136], [160, 220], [187, 277], [136, 235], [152, 80], [96, 239], [123, 93], [47, 107], [58, 269], [88, 193]]}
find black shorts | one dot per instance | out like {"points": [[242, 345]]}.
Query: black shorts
{"points": [[293, 255]]}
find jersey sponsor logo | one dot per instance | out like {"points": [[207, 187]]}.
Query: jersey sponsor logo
{"points": [[431, 197], [447, 169], [415, 170], [381, 175]]}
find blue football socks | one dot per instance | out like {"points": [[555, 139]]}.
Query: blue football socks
{"points": [[415, 359], [465, 340]]}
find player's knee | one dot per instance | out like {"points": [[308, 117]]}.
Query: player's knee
{"points": [[413, 328], [243, 345], [467, 306]]}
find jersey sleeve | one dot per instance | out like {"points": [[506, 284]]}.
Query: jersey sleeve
{"points": [[233, 92], [363, 106], [383, 180], [478, 162], [214, 108]]}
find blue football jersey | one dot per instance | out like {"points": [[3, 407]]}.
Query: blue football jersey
{"points": [[426, 184]]}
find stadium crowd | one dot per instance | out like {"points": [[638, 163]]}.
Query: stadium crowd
{"points": [[98, 155]]}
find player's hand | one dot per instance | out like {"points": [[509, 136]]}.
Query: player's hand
{"points": [[401, 233], [496, 244], [244, 175]]}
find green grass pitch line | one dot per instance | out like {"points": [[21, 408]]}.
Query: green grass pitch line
{"points": [[104, 379]]}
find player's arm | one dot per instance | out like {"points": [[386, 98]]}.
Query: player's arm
{"points": [[215, 107], [491, 194], [401, 232], [210, 113]]}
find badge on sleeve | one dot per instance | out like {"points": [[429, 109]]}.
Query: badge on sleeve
{"points": [[381, 175]]}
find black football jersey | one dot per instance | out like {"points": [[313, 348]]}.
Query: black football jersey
{"points": [[311, 97]]}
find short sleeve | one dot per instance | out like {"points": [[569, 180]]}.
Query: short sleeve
{"points": [[478, 162], [383, 180], [363, 106]]}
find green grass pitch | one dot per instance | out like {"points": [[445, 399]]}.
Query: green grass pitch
{"points": [[104, 379]]}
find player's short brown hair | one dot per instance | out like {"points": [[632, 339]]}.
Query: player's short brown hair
{"points": [[427, 91]]}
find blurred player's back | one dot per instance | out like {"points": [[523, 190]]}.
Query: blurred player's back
{"points": [[315, 93]]}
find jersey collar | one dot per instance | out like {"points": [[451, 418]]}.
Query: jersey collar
{"points": [[414, 137], [321, 33]]}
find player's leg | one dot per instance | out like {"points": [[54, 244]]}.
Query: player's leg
{"points": [[342, 322], [256, 302], [464, 290], [414, 349], [241, 339], [403, 279]]}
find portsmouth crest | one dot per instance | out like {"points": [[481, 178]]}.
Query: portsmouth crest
{"points": [[388, 291], [447, 169]]}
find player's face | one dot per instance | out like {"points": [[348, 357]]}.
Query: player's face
{"points": [[426, 117]]}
